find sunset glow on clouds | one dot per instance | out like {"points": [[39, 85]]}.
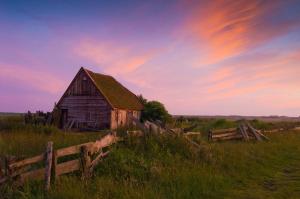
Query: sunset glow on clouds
{"points": [[197, 57]]}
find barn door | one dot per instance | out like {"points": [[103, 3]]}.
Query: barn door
{"points": [[64, 117]]}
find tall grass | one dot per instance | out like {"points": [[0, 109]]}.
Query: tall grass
{"points": [[20, 140], [169, 167]]}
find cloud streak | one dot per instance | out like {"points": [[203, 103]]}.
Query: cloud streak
{"points": [[228, 28], [27, 77], [114, 58]]}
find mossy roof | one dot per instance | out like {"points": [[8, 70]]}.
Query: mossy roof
{"points": [[117, 95]]}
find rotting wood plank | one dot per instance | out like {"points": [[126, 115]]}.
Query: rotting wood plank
{"points": [[67, 167], [27, 161]]}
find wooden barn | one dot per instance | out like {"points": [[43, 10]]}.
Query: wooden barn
{"points": [[97, 101]]}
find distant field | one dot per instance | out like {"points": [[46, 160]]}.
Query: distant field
{"points": [[237, 117], [166, 167], [9, 114]]}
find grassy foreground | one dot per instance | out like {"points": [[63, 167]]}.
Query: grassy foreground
{"points": [[164, 167]]}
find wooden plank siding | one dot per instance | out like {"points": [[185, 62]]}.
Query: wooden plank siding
{"points": [[85, 104]]}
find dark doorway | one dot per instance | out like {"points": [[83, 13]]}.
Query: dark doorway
{"points": [[64, 117]]}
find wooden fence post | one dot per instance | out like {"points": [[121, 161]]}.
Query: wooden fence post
{"points": [[85, 162], [48, 166], [54, 164]]}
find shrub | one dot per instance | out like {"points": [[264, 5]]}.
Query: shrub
{"points": [[154, 110]]}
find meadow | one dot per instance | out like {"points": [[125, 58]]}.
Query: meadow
{"points": [[164, 166]]}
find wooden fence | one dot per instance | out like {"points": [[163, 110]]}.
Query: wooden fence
{"points": [[244, 132], [50, 164]]}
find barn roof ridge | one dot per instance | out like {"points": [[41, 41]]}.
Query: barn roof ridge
{"points": [[115, 93]]}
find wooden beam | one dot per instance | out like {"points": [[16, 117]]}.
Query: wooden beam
{"points": [[243, 133], [98, 159], [35, 174], [192, 133], [71, 150], [27, 161], [262, 135], [238, 136], [104, 142], [253, 131], [67, 167], [224, 135], [223, 130]]}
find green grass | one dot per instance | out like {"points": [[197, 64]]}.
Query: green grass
{"points": [[165, 167]]}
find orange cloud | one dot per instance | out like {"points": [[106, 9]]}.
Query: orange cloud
{"points": [[113, 58], [224, 29]]}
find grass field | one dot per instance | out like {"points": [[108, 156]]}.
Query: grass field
{"points": [[165, 167]]}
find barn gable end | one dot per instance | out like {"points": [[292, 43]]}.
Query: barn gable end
{"points": [[97, 101], [84, 104]]}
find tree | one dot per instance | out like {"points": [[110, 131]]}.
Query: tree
{"points": [[142, 99], [154, 110]]}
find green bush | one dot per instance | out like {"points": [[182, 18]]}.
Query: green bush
{"points": [[154, 110]]}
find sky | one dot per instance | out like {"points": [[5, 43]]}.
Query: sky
{"points": [[198, 57]]}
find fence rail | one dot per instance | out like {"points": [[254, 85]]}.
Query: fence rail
{"points": [[244, 132], [45, 166]]}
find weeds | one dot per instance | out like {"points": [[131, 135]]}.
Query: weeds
{"points": [[169, 167]]}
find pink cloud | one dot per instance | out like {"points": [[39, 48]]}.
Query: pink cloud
{"points": [[114, 58], [42, 81], [223, 29], [273, 74]]}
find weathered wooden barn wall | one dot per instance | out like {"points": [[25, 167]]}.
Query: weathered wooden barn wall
{"points": [[121, 117], [97, 101], [85, 104]]}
